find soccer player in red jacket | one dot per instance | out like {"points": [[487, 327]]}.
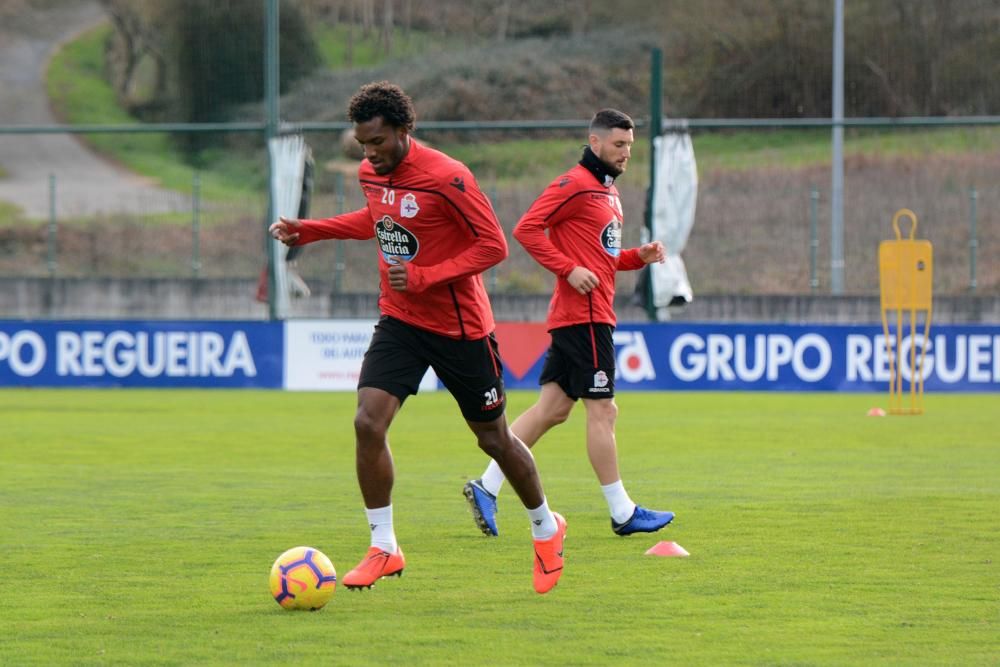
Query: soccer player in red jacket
{"points": [[435, 233], [582, 215]]}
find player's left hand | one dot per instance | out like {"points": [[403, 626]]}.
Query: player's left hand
{"points": [[653, 252], [397, 275]]}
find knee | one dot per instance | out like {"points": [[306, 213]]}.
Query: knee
{"points": [[495, 443], [368, 426], [558, 415], [492, 447], [604, 411]]}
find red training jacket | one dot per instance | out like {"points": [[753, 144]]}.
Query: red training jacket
{"points": [[429, 212], [584, 223]]}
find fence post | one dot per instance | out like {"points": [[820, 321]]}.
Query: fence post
{"points": [[837, 260], [973, 238], [196, 225], [813, 238], [655, 129], [51, 246], [272, 87]]}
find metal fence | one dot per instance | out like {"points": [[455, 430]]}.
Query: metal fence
{"points": [[762, 228], [763, 222]]}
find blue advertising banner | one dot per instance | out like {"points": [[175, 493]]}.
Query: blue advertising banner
{"points": [[141, 354], [779, 357], [683, 356]]}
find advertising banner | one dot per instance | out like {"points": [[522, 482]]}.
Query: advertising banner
{"points": [[766, 357], [326, 355], [140, 354]]}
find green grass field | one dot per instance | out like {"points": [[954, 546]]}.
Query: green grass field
{"points": [[138, 527]]}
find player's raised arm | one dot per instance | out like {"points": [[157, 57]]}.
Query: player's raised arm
{"points": [[354, 225]]}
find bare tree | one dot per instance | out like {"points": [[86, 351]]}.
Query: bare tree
{"points": [[578, 16], [387, 25], [407, 17], [352, 19], [136, 39], [503, 20], [367, 17]]}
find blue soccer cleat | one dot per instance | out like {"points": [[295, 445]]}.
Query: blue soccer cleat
{"points": [[483, 505], [642, 521]]}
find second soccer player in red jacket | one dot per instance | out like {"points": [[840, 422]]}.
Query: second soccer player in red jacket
{"points": [[574, 229]]}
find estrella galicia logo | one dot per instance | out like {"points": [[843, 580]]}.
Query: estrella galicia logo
{"points": [[395, 241], [611, 237]]}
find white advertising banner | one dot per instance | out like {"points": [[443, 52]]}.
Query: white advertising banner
{"points": [[675, 195], [326, 355], [288, 154]]}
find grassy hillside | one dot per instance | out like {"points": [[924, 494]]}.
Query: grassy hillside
{"points": [[754, 195], [81, 94]]}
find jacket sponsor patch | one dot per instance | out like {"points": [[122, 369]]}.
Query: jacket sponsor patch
{"points": [[395, 241], [611, 238]]}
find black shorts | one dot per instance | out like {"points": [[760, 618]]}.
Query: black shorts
{"points": [[581, 359], [399, 355]]}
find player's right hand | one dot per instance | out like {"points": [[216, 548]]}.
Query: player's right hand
{"points": [[397, 274], [582, 280], [284, 230]]}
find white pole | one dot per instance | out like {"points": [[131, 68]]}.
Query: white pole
{"points": [[837, 186]]}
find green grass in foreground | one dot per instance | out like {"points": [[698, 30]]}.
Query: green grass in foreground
{"points": [[140, 526]]}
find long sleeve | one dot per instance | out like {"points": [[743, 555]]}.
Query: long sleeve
{"points": [[475, 216], [354, 225], [530, 232], [629, 260]]}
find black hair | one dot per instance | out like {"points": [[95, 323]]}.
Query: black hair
{"points": [[381, 98], [607, 119]]}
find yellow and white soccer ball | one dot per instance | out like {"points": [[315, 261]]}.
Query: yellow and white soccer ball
{"points": [[303, 578]]}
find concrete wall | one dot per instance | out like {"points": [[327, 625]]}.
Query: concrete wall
{"points": [[235, 299]]}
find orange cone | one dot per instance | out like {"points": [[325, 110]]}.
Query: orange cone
{"points": [[667, 549], [876, 412]]}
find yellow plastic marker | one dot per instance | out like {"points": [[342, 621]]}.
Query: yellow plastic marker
{"points": [[906, 269]]}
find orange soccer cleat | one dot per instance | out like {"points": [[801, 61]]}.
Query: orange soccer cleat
{"points": [[549, 557], [375, 565]]}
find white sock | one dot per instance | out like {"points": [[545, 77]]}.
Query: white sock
{"points": [[493, 478], [543, 524], [620, 505], [383, 535]]}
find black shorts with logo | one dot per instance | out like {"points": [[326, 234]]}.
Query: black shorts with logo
{"points": [[581, 359], [399, 355]]}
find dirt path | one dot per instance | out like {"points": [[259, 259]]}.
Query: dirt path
{"points": [[86, 184]]}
